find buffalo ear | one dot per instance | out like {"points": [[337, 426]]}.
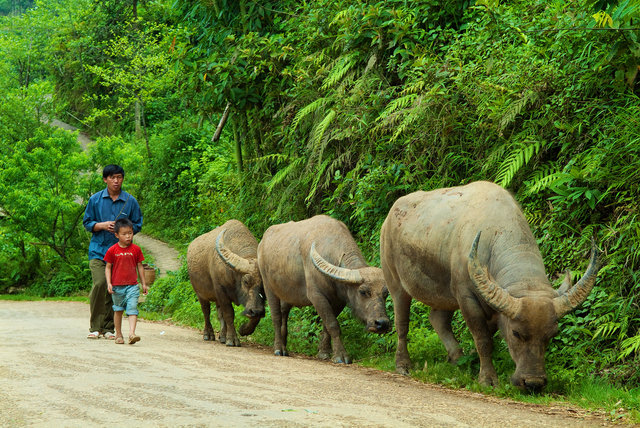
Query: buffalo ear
{"points": [[566, 284]]}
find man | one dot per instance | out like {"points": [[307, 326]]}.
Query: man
{"points": [[103, 209]]}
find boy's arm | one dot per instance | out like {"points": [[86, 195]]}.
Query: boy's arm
{"points": [[145, 287], [107, 274]]}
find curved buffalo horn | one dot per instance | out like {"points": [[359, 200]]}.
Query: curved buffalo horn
{"points": [[351, 276], [234, 261], [498, 298], [579, 292]]}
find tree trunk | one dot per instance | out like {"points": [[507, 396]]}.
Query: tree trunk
{"points": [[238, 146], [138, 119], [223, 120]]}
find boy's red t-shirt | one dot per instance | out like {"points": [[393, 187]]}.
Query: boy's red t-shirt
{"points": [[124, 262]]}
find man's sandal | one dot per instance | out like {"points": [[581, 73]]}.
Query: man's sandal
{"points": [[93, 335], [119, 340], [133, 339], [109, 335]]}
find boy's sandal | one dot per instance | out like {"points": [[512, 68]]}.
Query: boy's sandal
{"points": [[133, 339], [109, 335], [93, 335], [119, 340]]}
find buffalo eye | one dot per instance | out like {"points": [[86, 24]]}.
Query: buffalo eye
{"points": [[364, 292], [517, 335]]}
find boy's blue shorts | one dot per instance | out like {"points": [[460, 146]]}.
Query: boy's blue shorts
{"points": [[125, 297]]}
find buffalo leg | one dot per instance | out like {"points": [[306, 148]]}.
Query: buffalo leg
{"points": [[441, 322], [483, 338], [285, 308], [330, 322], [401, 308], [208, 333], [228, 315], [279, 347], [324, 347], [223, 325]]}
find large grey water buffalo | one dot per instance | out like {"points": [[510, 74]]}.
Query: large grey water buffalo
{"points": [[471, 248], [317, 262], [223, 269]]}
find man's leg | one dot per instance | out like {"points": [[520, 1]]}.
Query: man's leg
{"points": [[100, 303]]}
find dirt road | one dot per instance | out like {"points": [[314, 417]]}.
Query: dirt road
{"points": [[51, 375]]}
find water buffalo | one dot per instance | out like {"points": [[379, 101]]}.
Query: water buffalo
{"points": [[425, 245], [317, 262], [223, 269]]}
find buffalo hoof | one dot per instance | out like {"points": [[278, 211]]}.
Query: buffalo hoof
{"points": [[488, 380], [341, 360], [208, 337], [280, 353], [402, 370], [232, 342], [323, 355]]}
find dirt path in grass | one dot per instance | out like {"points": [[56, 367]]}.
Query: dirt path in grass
{"points": [[166, 259], [51, 375]]}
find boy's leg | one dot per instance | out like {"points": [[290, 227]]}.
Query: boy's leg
{"points": [[133, 320], [133, 293], [117, 321]]}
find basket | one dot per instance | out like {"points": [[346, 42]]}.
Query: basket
{"points": [[149, 274]]}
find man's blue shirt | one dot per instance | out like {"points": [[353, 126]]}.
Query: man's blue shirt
{"points": [[102, 208]]}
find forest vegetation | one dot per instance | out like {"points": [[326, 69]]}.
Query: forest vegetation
{"points": [[274, 111]]}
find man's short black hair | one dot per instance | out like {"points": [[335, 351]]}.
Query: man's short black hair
{"points": [[122, 222], [110, 170]]}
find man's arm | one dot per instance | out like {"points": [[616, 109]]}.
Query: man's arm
{"points": [[135, 216], [90, 219]]}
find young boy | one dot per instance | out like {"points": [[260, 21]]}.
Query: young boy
{"points": [[124, 264]]}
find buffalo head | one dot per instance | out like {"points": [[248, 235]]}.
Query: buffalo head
{"points": [[529, 322], [251, 294], [367, 293]]}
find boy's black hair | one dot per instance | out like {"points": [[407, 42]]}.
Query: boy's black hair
{"points": [[110, 170], [122, 222]]}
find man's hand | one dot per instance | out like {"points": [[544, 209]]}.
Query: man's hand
{"points": [[110, 288], [145, 289]]}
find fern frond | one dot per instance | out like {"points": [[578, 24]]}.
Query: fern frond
{"points": [[337, 163], [316, 136], [343, 65], [631, 345], [397, 104], [310, 108], [411, 118], [534, 218], [316, 179], [281, 175], [515, 161], [516, 108]]}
